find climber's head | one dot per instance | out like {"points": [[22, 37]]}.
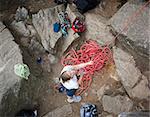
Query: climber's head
{"points": [[67, 75]]}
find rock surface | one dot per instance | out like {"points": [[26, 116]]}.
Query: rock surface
{"points": [[43, 22], [69, 39], [141, 90], [117, 104], [6, 4], [20, 28], [21, 24], [109, 116], [34, 45], [73, 12], [9, 56], [101, 91], [64, 111], [137, 32], [126, 68], [130, 74], [97, 28]]}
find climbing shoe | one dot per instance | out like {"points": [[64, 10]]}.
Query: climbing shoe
{"points": [[76, 98]]}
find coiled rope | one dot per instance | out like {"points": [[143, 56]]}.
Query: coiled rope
{"points": [[90, 50]]}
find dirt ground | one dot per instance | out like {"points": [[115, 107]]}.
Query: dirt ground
{"points": [[52, 99]]}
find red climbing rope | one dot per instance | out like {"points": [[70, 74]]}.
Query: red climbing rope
{"points": [[88, 51]]}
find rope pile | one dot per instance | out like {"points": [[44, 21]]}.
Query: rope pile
{"points": [[90, 50]]}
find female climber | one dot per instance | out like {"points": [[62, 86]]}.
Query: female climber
{"points": [[69, 80]]}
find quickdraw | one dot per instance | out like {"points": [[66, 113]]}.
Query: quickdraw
{"points": [[65, 22], [88, 51]]}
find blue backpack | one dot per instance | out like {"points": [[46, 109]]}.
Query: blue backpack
{"points": [[56, 27], [88, 110]]}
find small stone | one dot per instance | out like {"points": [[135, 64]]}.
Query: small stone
{"points": [[101, 91], [52, 59], [20, 28], [86, 94], [21, 14], [56, 80], [109, 116]]}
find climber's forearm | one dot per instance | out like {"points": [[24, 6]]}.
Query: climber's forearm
{"points": [[82, 65]]}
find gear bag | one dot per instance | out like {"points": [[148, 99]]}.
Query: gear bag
{"points": [[88, 110], [27, 113], [78, 26], [22, 70], [85, 5]]}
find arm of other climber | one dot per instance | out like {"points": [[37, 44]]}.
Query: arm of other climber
{"points": [[82, 65]]}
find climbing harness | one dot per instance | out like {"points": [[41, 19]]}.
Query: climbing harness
{"points": [[22, 70], [78, 26], [88, 51]]}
